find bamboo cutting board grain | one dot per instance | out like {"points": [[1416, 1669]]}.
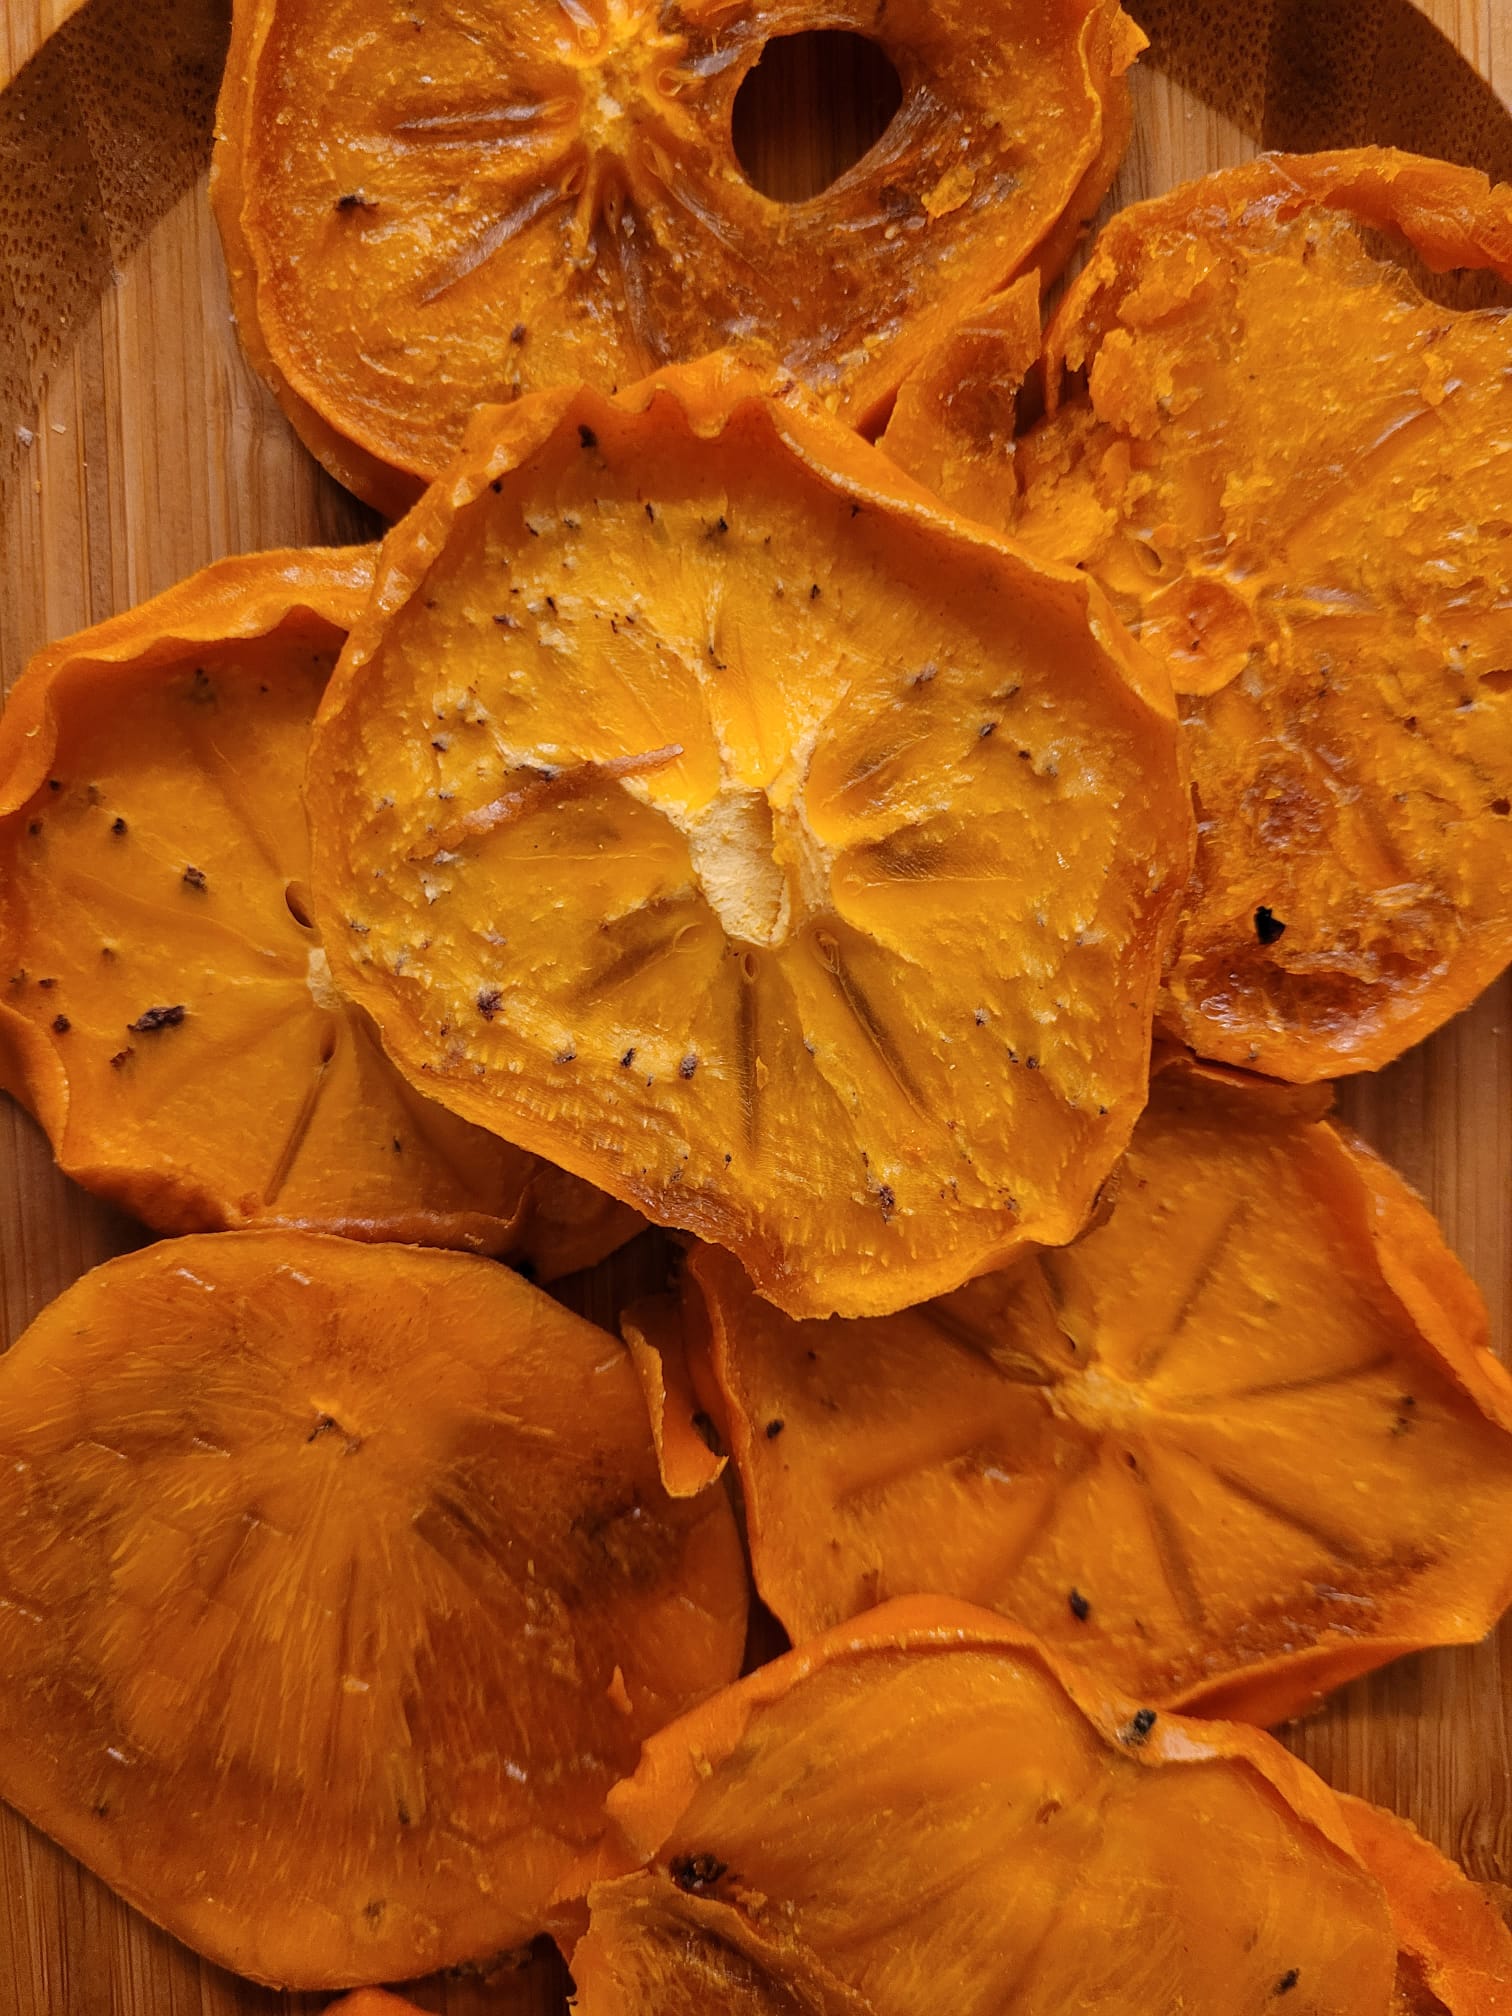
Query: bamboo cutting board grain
{"points": [[135, 446]]}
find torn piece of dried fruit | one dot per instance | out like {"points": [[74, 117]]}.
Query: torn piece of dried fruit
{"points": [[424, 212], [688, 1449], [920, 1810], [166, 1009], [1454, 1948], [1290, 470], [699, 804], [1240, 1443], [338, 1588]]}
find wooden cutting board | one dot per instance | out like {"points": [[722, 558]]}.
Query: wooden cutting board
{"points": [[135, 446]]}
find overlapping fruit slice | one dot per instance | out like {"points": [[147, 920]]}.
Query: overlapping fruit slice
{"points": [[1454, 1949], [1240, 1443], [702, 806], [337, 1587], [427, 208], [1290, 469], [921, 1811], [165, 1006]]}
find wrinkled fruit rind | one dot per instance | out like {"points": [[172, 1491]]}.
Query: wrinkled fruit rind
{"points": [[1284, 463], [603, 226], [978, 1819], [352, 1561], [1241, 1443], [166, 1010], [718, 922]]}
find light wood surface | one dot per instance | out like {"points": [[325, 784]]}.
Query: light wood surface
{"points": [[135, 445]]}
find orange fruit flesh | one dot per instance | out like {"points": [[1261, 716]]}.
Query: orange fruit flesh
{"points": [[165, 1003], [1238, 1444], [958, 1825], [1287, 468], [338, 1590], [426, 212], [683, 812], [1455, 1955]]}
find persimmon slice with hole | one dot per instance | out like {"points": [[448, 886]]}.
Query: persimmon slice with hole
{"points": [[921, 1810], [427, 209], [1454, 1948], [704, 808], [1240, 1443], [1289, 467], [337, 1587], [166, 1009]]}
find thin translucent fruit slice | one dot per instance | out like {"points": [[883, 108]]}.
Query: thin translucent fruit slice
{"points": [[922, 1810], [1288, 465], [337, 1587], [426, 212], [701, 805], [1455, 1951], [166, 1009], [1240, 1443]]}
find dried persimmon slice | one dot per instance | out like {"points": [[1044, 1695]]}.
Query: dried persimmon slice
{"points": [[701, 806], [922, 1810], [1454, 1948], [165, 1005], [425, 210], [1288, 466], [1238, 1444], [337, 1587]]}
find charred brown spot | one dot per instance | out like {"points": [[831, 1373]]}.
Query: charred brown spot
{"points": [[1288, 1980], [122, 1058], [1136, 1730], [587, 436], [61, 1024], [153, 1019], [518, 334], [695, 1873], [774, 1429], [687, 1067], [355, 199], [887, 1200], [1081, 1609], [194, 878], [118, 827], [489, 1001]]}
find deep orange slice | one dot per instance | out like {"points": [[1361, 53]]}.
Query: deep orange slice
{"points": [[373, 2002], [166, 1008], [703, 807], [337, 1587], [1240, 1443], [1454, 1948], [425, 210], [1289, 469], [921, 1810]]}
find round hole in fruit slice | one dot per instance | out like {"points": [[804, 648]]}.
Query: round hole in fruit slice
{"points": [[337, 1587], [921, 1797], [701, 808], [421, 214], [1240, 1443], [1287, 463], [165, 1009]]}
